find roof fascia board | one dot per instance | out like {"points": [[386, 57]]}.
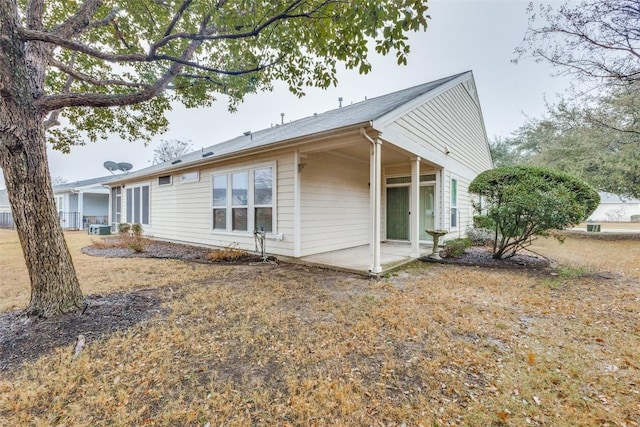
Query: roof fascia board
{"points": [[288, 143], [381, 122]]}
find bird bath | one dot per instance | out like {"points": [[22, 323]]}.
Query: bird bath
{"points": [[436, 234]]}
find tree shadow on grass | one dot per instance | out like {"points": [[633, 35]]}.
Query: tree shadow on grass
{"points": [[23, 341]]}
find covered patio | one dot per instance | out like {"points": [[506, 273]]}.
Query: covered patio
{"points": [[357, 259]]}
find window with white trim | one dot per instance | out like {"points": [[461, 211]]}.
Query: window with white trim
{"points": [[138, 207], [454, 203], [60, 203], [242, 201]]}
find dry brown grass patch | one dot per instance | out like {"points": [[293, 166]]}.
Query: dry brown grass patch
{"points": [[290, 345], [228, 253]]}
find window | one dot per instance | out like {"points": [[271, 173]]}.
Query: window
{"points": [[60, 203], [138, 205], [263, 199], [220, 202], [192, 176], [164, 180], [243, 200], [454, 203], [116, 205]]}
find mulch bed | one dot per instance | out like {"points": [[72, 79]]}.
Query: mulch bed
{"points": [[479, 256], [23, 339]]}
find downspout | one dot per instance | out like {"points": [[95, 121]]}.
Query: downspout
{"points": [[374, 191]]}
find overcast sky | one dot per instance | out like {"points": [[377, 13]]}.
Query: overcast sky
{"points": [[477, 35]]}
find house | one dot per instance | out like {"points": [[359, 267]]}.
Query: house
{"points": [[78, 204], [349, 177], [6, 219], [82, 203], [615, 208]]}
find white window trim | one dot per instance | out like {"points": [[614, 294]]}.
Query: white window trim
{"points": [[453, 205], [59, 199], [250, 202]]}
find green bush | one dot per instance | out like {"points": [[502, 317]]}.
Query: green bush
{"points": [[635, 218], [483, 221], [456, 247], [525, 201]]}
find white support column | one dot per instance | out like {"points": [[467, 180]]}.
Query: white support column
{"points": [[375, 179], [297, 167], [81, 209], [414, 215]]}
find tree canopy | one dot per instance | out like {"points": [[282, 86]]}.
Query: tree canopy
{"points": [[79, 70], [592, 40], [525, 201], [125, 54], [598, 141]]}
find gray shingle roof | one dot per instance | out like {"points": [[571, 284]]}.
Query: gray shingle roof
{"points": [[83, 183], [360, 112]]}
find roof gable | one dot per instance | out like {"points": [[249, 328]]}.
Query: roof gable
{"points": [[370, 110]]}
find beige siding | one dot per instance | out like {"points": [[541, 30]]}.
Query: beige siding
{"points": [[465, 207], [452, 119], [182, 212], [450, 122], [334, 203]]}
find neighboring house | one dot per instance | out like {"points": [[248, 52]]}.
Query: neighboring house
{"points": [[345, 178], [615, 208], [82, 203], [6, 219], [78, 204]]}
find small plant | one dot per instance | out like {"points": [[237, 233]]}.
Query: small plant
{"points": [[456, 247], [131, 237], [228, 253], [124, 228]]}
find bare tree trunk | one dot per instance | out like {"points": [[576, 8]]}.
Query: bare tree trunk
{"points": [[54, 285]]}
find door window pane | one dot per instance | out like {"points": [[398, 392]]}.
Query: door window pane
{"points": [[398, 213], [427, 211]]}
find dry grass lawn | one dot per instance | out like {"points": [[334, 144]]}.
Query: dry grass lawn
{"points": [[430, 345]]}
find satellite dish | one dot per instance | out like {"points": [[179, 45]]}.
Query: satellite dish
{"points": [[111, 166], [124, 166]]}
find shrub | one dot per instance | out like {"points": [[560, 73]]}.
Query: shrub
{"points": [[456, 247], [131, 237], [483, 221], [481, 236], [524, 201], [635, 218]]}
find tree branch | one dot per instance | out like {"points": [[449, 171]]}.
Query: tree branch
{"points": [[91, 80], [79, 21]]}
